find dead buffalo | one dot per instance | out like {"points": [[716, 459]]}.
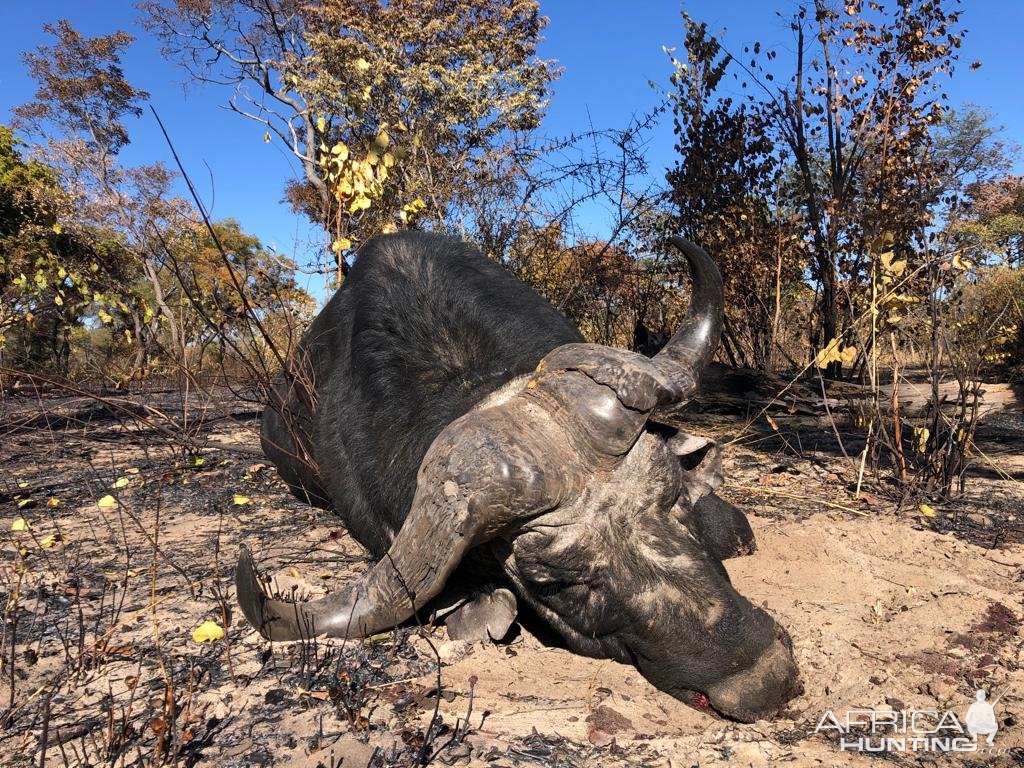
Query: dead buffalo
{"points": [[460, 425]]}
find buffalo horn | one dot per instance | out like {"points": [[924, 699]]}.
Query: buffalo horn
{"points": [[691, 347]]}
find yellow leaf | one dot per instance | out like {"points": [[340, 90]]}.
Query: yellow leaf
{"points": [[293, 572], [48, 541], [23, 484], [107, 502], [208, 632], [921, 435], [20, 524], [24, 503], [132, 471], [829, 354], [341, 244], [848, 355], [121, 482], [961, 263], [321, 124], [927, 511], [771, 422], [362, 64], [53, 502], [239, 499], [57, 229], [266, 138], [340, 150]]}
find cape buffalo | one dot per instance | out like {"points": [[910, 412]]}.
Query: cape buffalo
{"points": [[458, 421]]}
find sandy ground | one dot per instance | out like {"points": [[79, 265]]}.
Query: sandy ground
{"points": [[889, 610]]}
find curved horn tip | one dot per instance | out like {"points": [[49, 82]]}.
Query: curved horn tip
{"points": [[693, 344], [693, 251], [249, 591], [274, 619]]}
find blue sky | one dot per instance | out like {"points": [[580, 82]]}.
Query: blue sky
{"points": [[609, 49]]}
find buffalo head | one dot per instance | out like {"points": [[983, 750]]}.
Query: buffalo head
{"points": [[590, 510]]}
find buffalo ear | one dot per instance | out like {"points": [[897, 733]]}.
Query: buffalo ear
{"points": [[700, 459], [724, 529]]}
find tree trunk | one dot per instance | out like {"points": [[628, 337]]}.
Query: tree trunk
{"points": [[829, 308]]}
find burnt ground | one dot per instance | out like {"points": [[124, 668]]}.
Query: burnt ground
{"points": [[889, 609]]}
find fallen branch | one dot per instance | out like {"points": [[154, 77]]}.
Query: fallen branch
{"points": [[774, 492]]}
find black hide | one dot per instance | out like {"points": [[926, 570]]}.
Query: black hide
{"points": [[422, 329]]}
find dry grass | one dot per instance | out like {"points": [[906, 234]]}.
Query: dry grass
{"points": [[100, 668]]}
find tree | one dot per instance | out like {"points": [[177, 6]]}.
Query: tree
{"points": [[604, 288], [152, 278], [29, 195], [983, 229], [80, 107], [990, 220], [229, 281], [852, 125], [393, 109], [727, 194], [888, 191], [47, 274], [82, 88]]}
